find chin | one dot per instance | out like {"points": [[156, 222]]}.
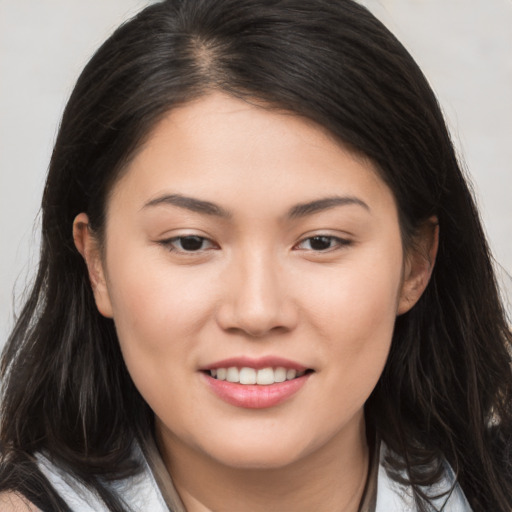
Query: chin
{"points": [[259, 460], [266, 452]]}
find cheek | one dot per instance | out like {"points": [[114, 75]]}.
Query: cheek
{"points": [[361, 329], [357, 300], [158, 314], [354, 310], [156, 308]]}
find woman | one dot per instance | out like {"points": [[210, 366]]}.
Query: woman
{"points": [[263, 282]]}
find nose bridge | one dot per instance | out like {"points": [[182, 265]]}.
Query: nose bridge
{"points": [[257, 300], [260, 287]]}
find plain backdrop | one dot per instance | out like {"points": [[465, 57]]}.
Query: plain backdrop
{"points": [[463, 46]]}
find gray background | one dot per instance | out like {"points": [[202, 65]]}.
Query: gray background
{"points": [[463, 46]]}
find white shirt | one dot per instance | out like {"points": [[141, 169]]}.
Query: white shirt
{"points": [[141, 492], [393, 497]]}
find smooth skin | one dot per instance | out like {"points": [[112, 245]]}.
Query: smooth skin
{"points": [[271, 270]]}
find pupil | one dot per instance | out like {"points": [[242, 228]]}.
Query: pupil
{"points": [[191, 243], [320, 243]]}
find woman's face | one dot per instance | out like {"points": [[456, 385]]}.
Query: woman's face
{"points": [[241, 237]]}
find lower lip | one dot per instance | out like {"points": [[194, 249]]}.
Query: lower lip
{"points": [[253, 396]]}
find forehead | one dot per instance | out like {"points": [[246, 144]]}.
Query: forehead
{"points": [[222, 148]]}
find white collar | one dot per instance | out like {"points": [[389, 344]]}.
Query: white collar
{"points": [[141, 492], [394, 497]]}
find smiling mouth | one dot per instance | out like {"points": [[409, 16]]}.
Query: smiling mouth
{"points": [[250, 376]]}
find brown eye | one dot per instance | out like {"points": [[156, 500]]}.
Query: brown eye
{"points": [[191, 243], [322, 243]]}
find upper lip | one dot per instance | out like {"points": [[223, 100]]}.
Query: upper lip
{"points": [[256, 363]]}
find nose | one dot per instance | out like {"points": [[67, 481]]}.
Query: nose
{"points": [[256, 299]]}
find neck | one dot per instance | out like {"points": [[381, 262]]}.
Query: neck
{"points": [[331, 479]]}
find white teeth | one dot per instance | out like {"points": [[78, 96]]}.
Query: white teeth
{"points": [[232, 375], [280, 374], [262, 377], [291, 374], [265, 376], [247, 376]]}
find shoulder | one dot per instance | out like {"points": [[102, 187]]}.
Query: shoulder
{"points": [[139, 491], [14, 502]]}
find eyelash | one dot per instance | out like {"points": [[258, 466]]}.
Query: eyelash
{"points": [[170, 243], [334, 241]]}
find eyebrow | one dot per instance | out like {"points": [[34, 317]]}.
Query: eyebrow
{"points": [[190, 203], [304, 209], [297, 211]]}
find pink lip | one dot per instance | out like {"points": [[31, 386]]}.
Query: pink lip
{"points": [[252, 396], [262, 362]]}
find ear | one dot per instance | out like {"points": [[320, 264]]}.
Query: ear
{"points": [[419, 263], [88, 246]]}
